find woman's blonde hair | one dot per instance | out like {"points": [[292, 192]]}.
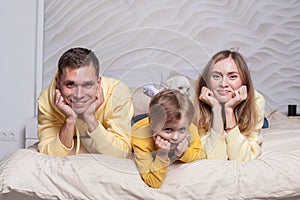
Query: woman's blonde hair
{"points": [[246, 112]]}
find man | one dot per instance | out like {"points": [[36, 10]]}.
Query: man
{"points": [[81, 111]]}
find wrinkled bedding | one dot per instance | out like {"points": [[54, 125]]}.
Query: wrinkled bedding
{"points": [[27, 174]]}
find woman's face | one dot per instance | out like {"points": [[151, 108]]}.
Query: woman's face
{"points": [[224, 79]]}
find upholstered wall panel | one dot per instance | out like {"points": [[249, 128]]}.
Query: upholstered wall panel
{"points": [[134, 37]]}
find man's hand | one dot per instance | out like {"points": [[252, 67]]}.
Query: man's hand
{"points": [[89, 115], [61, 104], [67, 130], [90, 111]]}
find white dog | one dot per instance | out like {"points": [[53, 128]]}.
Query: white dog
{"points": [[178, 82], [142, 96]]}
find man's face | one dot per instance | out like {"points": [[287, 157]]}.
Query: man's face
{"points": [[78, 87]]}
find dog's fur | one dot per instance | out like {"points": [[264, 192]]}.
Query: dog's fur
{"points": [[180, 83], [141, 99]]}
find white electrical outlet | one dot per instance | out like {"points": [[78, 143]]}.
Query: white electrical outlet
{"points": [[8, 135]]}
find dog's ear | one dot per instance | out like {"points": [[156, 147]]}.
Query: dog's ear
{"points": [[170, 83], [180, 83], [173, 73]]}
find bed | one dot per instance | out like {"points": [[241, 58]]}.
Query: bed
{"points": [[27, 174]]}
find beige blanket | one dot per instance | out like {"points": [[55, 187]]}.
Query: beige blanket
{"points": [[274, 175]]}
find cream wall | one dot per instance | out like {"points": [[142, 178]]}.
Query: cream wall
{"points": [[135, 38], [18, 39], [17, 70]]}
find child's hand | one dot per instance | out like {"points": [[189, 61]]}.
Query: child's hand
{"points": [[163, 145], [182, 146]]}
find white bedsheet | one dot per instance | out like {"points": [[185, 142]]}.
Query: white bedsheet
{"points": [[274, 175]]}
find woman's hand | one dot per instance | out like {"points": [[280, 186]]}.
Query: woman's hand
{"points": [[207, 96], [238, 96]]}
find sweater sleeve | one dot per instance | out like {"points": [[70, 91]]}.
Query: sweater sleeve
{"points": [[247, 147], [112, 137], [194, 150], [234, 145], [50, 121], [214, 145], [152, 168]]}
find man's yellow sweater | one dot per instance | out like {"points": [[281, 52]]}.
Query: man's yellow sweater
{"points": [[112, 137]]}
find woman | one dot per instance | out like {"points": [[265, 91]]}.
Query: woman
{"points": [[231, 111]]}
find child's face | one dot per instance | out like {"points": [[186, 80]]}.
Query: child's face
{"points": [[174, 132]]}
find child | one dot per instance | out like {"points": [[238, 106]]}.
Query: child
{"points": [[165, 136]]}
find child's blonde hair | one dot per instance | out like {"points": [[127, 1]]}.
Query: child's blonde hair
{"points": [[169, 106]]}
